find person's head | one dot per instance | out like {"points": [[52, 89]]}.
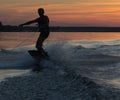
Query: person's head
{"points": [[41, 11]]}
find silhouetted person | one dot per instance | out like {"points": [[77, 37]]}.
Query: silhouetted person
{"points": [[43, 25], [1, 24]]}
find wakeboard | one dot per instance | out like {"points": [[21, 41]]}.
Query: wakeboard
{"points": [[38, 55]]}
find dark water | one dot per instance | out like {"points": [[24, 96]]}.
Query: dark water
{"points": [[95, 56]]}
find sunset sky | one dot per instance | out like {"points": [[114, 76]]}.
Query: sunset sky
{"points": [[63, 12]]}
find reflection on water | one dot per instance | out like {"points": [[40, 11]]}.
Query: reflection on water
{"points": [[16, 39], [10, 73]]}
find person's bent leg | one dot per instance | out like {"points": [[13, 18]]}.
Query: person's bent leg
{"points": [[39, 43]]}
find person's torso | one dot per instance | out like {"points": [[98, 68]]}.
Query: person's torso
{"points": [[43, 23]]}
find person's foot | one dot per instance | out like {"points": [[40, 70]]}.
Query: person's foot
{"points": [[40, 51], [43, 52]]}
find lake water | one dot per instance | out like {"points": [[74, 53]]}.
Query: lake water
{"points": [[17, 39], [87, 53]]}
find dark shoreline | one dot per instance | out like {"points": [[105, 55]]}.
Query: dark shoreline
{"points": [[60, 29]]}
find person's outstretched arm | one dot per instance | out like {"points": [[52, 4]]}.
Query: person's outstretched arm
{"points": [[29, 22]]}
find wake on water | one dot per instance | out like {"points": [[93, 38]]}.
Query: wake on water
{"points": [[99, 64], [96, 60]]}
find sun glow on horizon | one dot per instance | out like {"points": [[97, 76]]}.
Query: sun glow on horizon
{"points": [[65, 14]]}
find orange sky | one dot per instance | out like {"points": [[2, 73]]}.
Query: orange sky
{"points": [[74, 13]]}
